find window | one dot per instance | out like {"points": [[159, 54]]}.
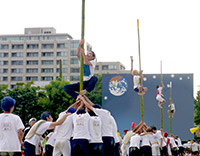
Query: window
{"points": [[13, 86], [62, 45], [62, 53], [32, 46], [47, 70], [3, 70], [17, 46], [47, 78], [112, 67], [3, 54], [73, 52], [97, 67], [18, 54], [47, 62], [62, 37], [4, 46], [17, 70], [74, 70], [32, 62], [3, 78], [17, 62], [16, 78], [74, 44], [73, 61], [64, 70], [47, 54], [104, 67], [65, 78], [31, 70], [30, 78], [47, 46], [32, 54], [74, 78]]}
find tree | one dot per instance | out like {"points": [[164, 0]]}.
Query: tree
{"points": [[197, 109], [26, 101], [57, 99]]}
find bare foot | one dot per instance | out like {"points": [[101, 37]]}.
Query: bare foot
{"points": [[141, 93], [159, 105], [83, 92]]}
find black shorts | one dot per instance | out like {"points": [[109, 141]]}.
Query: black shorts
{"points": [[136, 89], [172, 111]]}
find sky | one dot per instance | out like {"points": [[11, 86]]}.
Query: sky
{"points": [[169, 30]]}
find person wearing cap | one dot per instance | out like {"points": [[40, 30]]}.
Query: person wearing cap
{"points": [[89, 79], [31, 122], [34, 136], [11, 127], [63, 134]]}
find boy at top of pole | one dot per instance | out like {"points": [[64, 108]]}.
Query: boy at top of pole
{"points": [[172, 108], [137, 78], [159, 96], [89, 80]]}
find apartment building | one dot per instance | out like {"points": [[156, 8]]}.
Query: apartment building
{"points": [[36, 55]]}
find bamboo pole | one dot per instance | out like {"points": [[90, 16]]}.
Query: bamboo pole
{"points": [[60, 69], [141, 96], [170, 108], [161, 109], [82, 37]]}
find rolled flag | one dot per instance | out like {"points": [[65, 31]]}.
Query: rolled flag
{"points": [[192, 130], [133, 125]]}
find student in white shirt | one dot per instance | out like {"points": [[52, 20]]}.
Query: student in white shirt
{"points": [[161, 143], [134, 148], [159, 96], [136, 81], [11, 127], [180, 146], [81, 135], [33, 137], [174, 147], [49, 146], [145, 143], [154, 143], [89, 79], [63, 134], [195, 148], [172, 110], [96, 142]]}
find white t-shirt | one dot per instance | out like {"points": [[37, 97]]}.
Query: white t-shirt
{"points": [[172, 142], [88, 70], [195, 147], [153, 140], [81, 126], [159, 137], [135, 141], [107, 123], [51, 140], [145, 140], [172, 106], [179, 142], [116, 138], [9, 126], [159, 91], [65, 130], [35, 139], [136, 80], [95, 129]]}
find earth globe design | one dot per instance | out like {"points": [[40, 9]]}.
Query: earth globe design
{"points": [[118, 85]]}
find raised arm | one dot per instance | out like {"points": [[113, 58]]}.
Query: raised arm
{"points": [[60, 121], [79, 49]]}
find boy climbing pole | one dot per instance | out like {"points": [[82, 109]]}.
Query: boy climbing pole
{"points": [[137, 78], [171, 108], [159, 96], [89, 80]]}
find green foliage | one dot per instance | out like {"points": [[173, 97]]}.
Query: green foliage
{"points": [[197, 109]]}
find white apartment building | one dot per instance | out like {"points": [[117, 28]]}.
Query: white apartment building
{"points": [[36, 54]]}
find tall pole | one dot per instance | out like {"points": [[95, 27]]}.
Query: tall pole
{"points": [[131, 63], [60, 68], [141, 96], [161, 109], [170, 108], [82, 37]]}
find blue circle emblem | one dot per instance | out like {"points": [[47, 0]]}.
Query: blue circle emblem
{"points": [[118, 85]]}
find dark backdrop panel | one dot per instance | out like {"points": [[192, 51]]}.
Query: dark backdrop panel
{"points": [[126, 108]]}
